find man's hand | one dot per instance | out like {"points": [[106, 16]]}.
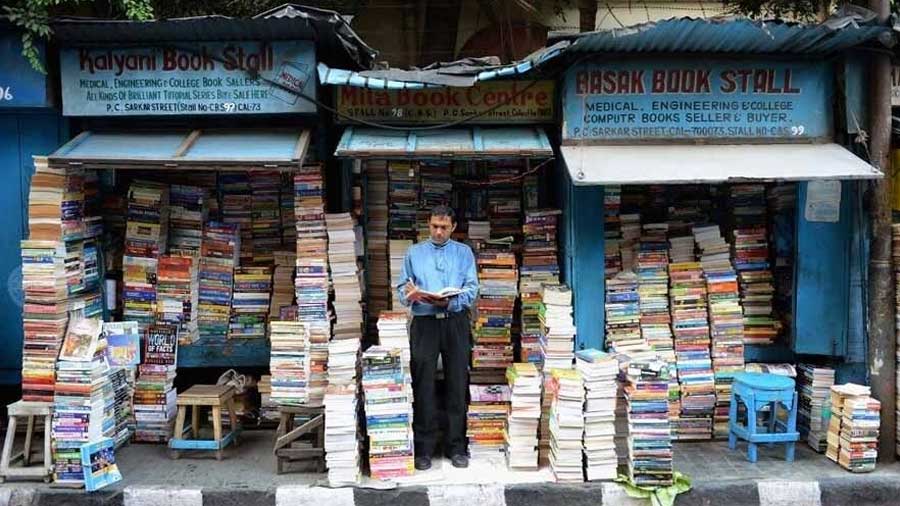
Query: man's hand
{"points": [[412, 292]]}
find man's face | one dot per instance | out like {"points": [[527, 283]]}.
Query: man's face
{"points": [[441, 227]]}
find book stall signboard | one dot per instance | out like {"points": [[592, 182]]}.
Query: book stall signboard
{"points": [[189, 78], [500, 102], [622, 102]]}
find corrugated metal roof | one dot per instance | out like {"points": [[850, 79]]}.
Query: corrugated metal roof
{"points": [[733, 35], [201, 149], [602, 165], [473, 142]]}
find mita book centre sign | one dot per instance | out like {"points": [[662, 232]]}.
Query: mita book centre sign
{"points": [[701, 99], [189, 78]]}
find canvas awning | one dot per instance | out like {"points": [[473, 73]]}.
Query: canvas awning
{"points": [[643, 164], [475, 142], [235, 149]]}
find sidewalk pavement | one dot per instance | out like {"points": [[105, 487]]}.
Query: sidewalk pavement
{"points": [[247, 478]]}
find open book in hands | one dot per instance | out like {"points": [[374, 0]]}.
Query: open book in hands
{"points": [[446, 293]]}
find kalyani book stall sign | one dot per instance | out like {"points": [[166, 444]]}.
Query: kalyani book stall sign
{"points": [[697, 99], [189, 78]]}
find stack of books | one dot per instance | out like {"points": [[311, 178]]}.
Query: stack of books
{"points": [[83, 399], [378, 274], [505, 198], [393, 333], [345, 276], [237, 209], [436, 183], [250, 306], [650, 440], [268, 408], [687, 295], [403, 189], [853, 427], [492, 333], [122, 413], [397, 249], [187, 214], [544, 446], [599, 371], [218, 258], [566, 425], [486, 420], [55, 203], [539, 267], [123, 353], [178, 296], [388, 395], [814, 384], [288, 363], [630, 224], [524, 381], [282, 282], [265, 187], [154, 391], [341, 443], [612, 229], [751, 260], [311, 282], [782, 199], [623, 314], [288, 220], [558, 327], [145, 240], [479, 230], [44, 316]]}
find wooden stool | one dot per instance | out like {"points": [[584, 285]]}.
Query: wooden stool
{"points": [[289, 448], [215, 397], [29, 410]]}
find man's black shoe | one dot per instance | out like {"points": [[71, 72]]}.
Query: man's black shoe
{"points": [[460, 461], [423, 463]]}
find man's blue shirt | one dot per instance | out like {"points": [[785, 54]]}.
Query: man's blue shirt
{"points": [[432, 268]]}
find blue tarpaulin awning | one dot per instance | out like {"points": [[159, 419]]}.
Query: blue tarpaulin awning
{"points": [[472, 143], [198, 149]]}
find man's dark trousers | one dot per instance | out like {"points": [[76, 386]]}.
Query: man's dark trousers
{"points": [[449, 337]]}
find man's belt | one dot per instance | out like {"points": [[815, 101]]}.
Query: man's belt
{"points": [[442, 315]]}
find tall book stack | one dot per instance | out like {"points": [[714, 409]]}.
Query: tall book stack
{"points": [[566, 425], [123, 353], [524, 381], [687, 295], [82, 399], [282, 282], [782, 221], [311, 281], [726, 327], [486, 420], [286, 202], [650, 440], [853, 427], [539, 266], [177, 296], [631, 233], [752, 262], [341, 442], [55, 202], [265, 187], [187, 214], [492, 352], [558, 327], [237, 208], [44, 316], [288, 362], [505, 198], [403, 189], [436, 186], [250, 306], [387, 387], [123, 415], [378, 274], [814, 385], [612, 229], [145, 240], [623, 314], [218, 259], [154, 391], [345, 276], [599, 371]]}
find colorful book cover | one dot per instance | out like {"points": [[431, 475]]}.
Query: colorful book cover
{"points": [[81, 340], [123, 341], [98, 462], [161, 345]]}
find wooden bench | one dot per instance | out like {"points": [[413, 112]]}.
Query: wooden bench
{"points": [[216, 397], [28, 410], [289, 447]]}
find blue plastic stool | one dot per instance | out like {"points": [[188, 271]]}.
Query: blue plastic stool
{"points": [[758, 391]]}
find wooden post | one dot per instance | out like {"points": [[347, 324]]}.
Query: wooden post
{"points": [[882, 338]]}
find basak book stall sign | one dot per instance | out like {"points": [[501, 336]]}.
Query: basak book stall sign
{"points": [[189, 78], [696, 100], [499, 102]]}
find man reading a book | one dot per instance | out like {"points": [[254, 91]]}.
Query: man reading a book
{"points": [[440, 326]]}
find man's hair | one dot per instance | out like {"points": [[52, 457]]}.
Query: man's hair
{"points": [[444, 211]]}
